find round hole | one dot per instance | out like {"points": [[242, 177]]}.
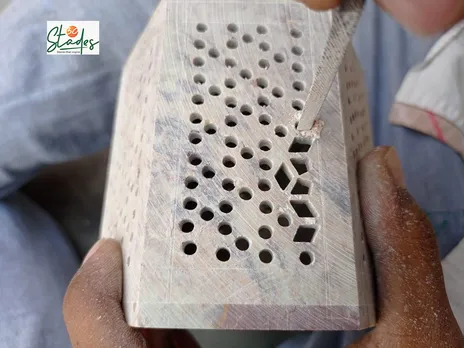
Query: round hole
{"points": [[265, 232], [305, 258], [228, 185], [262, 82], [297, 67], [207, 214], [202, 27], [281, 131], [231, 142], [278, 92], [279, 58], [265, 256], [199, 79], [284, 220], [245, 194], [264, 64], [228, 162], [263, 101], [210, 129], [186, 226], [298, 105], [231, 121], [213, 53], [196, 118], [230, 83], [265, 145], [226, 207], [195, 138], [199, 44], [225, 228], [190, 203], [261, 30], [190, 248], [208, 172], [266, 207], [232, 27], [265, 164], [232, 44], [198, 99], [299, 86], [246, 74], [242, 244], [191, 183], [195, 159], [247, 153], [297, 50], [265, 120], [230, 62], [198, 61], [223, 255], [264, 46], [247, 38], [246, 110], [296, 33], [264, 185], [231, 102], [215, 91]]}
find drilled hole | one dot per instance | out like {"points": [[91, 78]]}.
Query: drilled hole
{"points": [[297, 50], [265, 120], [232, 27], [202, 27], [246, 110], [242, 244], [281, 131], [214, 53], [283, 176], [265, 145], [304, 234], [245, 194], [300, 145], [231, 121], [210, 129], [226, 207], [228, 162], [265, 164], [195, 159], [199, 79], [198, 99], [190, 248], [232, 44], [208, 172], [228, 185], [262, 82], [302, 209], [247, 153], [231, 142], [198, 61], [299, 86], [278, 92], [230, 62], [223, 255], [195, 138], [263, 101], [301, 187], [297, 67], [225, 228], [246, 74], [265, 256], [247, 38], [186, 226], [230, 83], [215, 91], [196, 118], [284, 220], [264, 64], [298, 105], [296, 33], [305, 258], [279, 58], [231, 102], [207, 214], [199, 44], [190, 203], [264, 46], [265, 232], [296, 124], [264, 185], [266, 207], [261, 30], [191, 183]]}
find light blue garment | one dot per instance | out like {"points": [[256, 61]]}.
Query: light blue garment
{"points": [[56, 108]]}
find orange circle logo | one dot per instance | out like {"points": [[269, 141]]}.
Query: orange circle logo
{"points": [[72, 31]]}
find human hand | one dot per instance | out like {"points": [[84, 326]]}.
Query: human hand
{"points": [[412, 306], [423, 17], [93, 312]]}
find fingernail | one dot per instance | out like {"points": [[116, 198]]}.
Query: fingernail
{"points": [[394, 164], [93, 250]]}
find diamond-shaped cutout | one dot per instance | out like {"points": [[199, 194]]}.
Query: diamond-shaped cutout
{"points": [[283, 176], [301, 187], [300, 145], [300, 165], [302, 209], [304, 234]]}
